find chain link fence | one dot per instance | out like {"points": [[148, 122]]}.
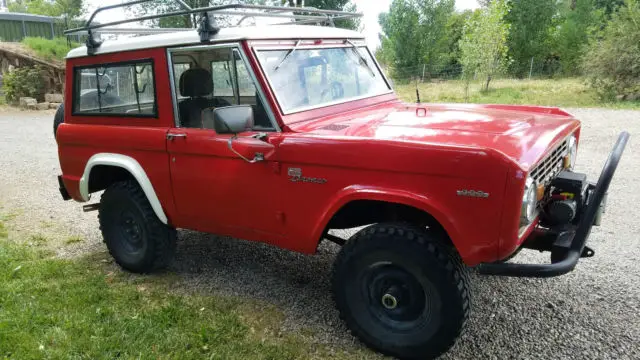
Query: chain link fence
{"points": [[447, 82]]}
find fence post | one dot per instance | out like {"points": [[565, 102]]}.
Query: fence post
{"points": [[531, 68], [53, 32], [24, 30]]}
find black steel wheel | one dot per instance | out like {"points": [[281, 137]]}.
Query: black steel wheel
{"points": [[58, 119], [401, 290], [136, 238]]}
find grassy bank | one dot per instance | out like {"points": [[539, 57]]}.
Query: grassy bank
{"points": [[49, 49], [557, 92], [88, 309]]}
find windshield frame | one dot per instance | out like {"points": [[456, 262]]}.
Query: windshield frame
{"points": [[313, 44]]}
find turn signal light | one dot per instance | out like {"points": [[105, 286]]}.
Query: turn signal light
{"points": [[566, 162], [540, 192]]}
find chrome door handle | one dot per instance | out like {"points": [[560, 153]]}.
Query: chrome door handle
{"points": [[173, 136]]}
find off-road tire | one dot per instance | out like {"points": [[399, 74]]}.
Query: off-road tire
{"points": [[436, 268], [138, 241], [58, 119]]}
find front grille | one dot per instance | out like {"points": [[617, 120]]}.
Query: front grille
{"points": [[551, 165]]}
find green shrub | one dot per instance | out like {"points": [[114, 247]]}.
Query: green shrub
{"points": [[24, 81], [612, 62], [49, 49]]}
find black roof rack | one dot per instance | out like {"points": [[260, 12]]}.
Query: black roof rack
{"points": [[206, 24]]}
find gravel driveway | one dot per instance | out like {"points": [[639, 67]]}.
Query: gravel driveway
{"points": [[592, 313]]}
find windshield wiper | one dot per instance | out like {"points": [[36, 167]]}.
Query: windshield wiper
{"points": [[354, 47], [288, 54]]}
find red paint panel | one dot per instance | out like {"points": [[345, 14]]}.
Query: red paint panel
{"points": [[147, 145], [418, 176], [143, 139], [163, 89]]}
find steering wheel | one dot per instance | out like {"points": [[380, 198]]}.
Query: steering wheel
{"points": [[336, 89]]}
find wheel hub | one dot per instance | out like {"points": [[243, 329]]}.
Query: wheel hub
{"points": [[396, 297], [389, 301], [130, 233]]}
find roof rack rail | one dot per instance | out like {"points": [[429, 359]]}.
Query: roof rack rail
{"points": [[206, 24]]}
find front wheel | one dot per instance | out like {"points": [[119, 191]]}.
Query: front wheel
{"points": [[136, 238], [401, 290]]}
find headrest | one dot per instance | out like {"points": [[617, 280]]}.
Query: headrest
{"points": [[196, 82]]}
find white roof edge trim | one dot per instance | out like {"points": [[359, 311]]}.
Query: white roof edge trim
{"points": [[272, 32]]}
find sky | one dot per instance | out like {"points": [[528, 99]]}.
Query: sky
{"points": [[369, 8]]}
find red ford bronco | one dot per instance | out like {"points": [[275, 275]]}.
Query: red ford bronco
{"points": [[281, 133]]}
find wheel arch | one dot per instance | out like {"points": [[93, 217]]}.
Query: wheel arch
{"points": [[126, 163], [408, 202]]}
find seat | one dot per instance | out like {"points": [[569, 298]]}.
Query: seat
{"points": [[197, 84]]}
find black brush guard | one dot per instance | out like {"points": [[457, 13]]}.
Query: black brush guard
{"points": [[577, 236]]}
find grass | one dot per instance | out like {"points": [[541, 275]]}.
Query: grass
{"points": [[73, 240], [571, 92], [86, 309], [55, 49]]}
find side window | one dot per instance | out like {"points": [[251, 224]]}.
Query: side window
{"points": [[124, 89], [245, 84], [217, 77], [221, 74], [179, 69]]}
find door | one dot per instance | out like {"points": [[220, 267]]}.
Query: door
{"points": [[215, 190]]}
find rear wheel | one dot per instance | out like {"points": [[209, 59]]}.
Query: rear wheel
{"points": [[58, 119], [401, 290], [136, 238]]}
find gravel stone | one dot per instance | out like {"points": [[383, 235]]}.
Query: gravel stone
{"points": [[591, 313]]}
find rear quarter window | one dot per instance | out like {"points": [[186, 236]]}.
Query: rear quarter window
{"points": [[122, 89]]}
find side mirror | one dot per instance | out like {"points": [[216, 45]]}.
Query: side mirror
{"points": [[233, 119]]}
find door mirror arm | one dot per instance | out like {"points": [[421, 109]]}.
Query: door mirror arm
{"points": [[256, 158], [260, 136]]}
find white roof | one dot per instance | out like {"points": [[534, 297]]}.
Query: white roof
{"points": [[226, 34]]}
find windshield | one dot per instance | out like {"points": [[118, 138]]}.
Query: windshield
{"points": [[307, 78]]}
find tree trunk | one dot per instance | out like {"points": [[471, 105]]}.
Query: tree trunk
{"points": [[486, 85]]}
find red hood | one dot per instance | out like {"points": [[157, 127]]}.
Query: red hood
{"points": [[521, 133]]}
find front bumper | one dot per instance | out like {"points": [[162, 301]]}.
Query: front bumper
{"points": [[569, 245]]}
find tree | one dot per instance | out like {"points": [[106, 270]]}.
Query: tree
{"points": [[415, 30], [609, 6], [484, 46], [187, 21], [454, 32], [66, 8], [384, 53], [181, 21], [529, 32], [570, 37], [612, 61], [343, 5]]}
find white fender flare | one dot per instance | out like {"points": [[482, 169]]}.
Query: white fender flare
{"points": [[132, 166]]}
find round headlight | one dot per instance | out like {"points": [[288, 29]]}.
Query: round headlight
{"points": [[572, 151], [529, 202]]}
